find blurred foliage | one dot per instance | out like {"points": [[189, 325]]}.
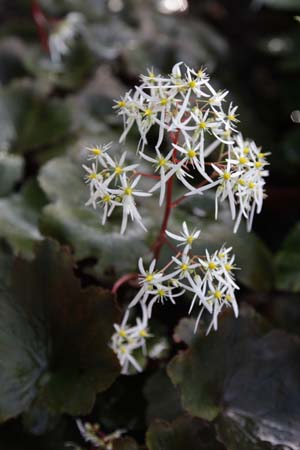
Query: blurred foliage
{"points": [[237, 389]]}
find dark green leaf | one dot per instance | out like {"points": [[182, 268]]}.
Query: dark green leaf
{"points": [[29, 121], [54, 337], [182, 434], [19, 216], [247, 378], [262, 398], [199, 371], [293, 5], [126, 443], [288, 262], [163, 398], [11, 172]]}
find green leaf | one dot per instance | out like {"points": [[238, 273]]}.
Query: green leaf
{"points": [[199, 372], [162, 397], [19, 216], [11, 59], [118, 408], [284, 312], [247, 378], [54, 337], [6, 260], [126, 443], [11, 171], [283, 4], [288, 262], [29, 121], [262, 398], [182, 434]]}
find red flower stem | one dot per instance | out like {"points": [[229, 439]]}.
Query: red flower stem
{"points": [[41, 24], [168, 208], [161, 237], [124, 279]]}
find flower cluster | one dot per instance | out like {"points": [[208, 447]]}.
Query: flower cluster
{"points": [[241, 180], [185, 107], [113, 185], [197, 144], [92, 434], [128, 339], [64, 34], [209, 278], [185, 101]]}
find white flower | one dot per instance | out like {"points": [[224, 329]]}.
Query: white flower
{"points": [[184, 267], [93, 176], [99, 153], [127, 192], [241, 181], [163, 165], [93, 434], [118, 167], [148, 279], [185, 238], [162, 293], [128, 339]]}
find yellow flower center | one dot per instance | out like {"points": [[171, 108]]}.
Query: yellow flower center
{"points": [[243, 160], [258, 164], [226, 176], [106, 198], [202, 125], [96, 151], [92, 176], [228, 297], [241, 182], [149, 277], [212, 265], [118, 170], [128, 191], [162, 162], [261, 155], [231, 117], [164, 101], [143, 333], [191, 153], [121, 104], [218, 295], [228, 267], [184, 267], [192, 84], [251, 185], [161, 292], [246, 150], [122, 333], [148, 112], [189, 240]]}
